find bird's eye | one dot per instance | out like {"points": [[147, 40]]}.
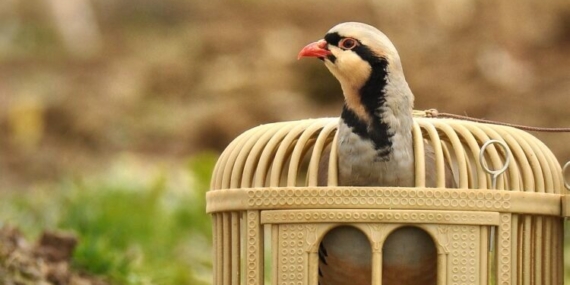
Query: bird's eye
{"points": [[347, 43]]}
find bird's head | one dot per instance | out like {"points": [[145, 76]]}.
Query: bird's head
{"points": [[357, 53], [351, 50]]}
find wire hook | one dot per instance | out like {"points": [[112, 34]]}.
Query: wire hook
{"points": [[494, 173]]}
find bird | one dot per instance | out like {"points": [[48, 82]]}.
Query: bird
{"points": [[375, 148]]}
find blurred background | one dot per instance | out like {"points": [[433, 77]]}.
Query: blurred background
{"points": [[129, 97]]}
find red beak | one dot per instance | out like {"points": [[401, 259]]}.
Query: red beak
{"points": [[316, 49]]}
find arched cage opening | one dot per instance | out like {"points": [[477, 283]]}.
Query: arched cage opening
{"points": [[409, 257], [345, 252]]}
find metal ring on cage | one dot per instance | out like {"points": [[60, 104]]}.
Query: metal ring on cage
{"points": [[495, 173]]}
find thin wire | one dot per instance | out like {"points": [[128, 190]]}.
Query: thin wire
{"points": [[434, 113]]}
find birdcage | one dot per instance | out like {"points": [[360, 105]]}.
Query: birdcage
{"points": [[501, 225]]}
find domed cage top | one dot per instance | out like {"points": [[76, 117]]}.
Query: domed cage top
{"points": [[274, 197]]}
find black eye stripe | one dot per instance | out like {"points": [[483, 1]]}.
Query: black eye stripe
{"points": [[363, 51], [333, 38]]}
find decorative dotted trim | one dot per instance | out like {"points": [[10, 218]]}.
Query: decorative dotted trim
{"points": [[384, 198], [253, 242], [463, 255], [449, 199], [384, 216], [504, 250], [292, 256]]}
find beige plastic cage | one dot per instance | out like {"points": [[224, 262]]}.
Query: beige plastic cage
{"points": [[268, 210]]}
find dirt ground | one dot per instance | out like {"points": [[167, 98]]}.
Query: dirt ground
{"points": [[45, 262]]}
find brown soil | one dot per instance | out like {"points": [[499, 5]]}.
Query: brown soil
{"points": [[46, 262]]}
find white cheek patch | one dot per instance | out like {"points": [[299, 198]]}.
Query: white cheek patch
{"points": [[354, 69], [352, 72]]}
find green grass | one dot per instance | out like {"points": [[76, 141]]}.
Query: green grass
{"points": [[132, 229], [129, 232]]}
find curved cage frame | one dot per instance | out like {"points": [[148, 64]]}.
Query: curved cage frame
{"points": [[266, 183]]}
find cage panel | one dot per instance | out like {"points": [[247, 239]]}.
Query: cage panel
{"points": [[285, 176]]}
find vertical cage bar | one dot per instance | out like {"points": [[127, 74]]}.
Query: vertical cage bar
{"points": [[538, 246], [484, 263], [514, 249], [442, 268], [275, 254], [218, 249], [548, 244], [377, 265], [254, 249], [558, 251], [313, 267], [215, 249], [419, 158], [226, 248], [235, 241], [503, 249], [527, 250]]}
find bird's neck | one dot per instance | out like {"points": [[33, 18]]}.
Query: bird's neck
{"points": [[383, 111]]}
